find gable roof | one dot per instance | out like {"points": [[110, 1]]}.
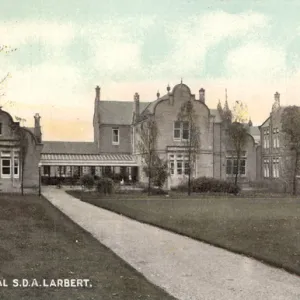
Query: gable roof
{"points": [[254, 130], [118, 112], [54, 147], [215, 112]]}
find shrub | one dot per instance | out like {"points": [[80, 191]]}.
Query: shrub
{"points": [[105, 185], [87, 181], [206, 184], [159, 172]]}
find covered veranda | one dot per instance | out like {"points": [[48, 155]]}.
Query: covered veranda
{"points": [[68, 168]]}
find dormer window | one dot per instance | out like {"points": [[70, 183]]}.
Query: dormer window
{"points": [[115, 136]]}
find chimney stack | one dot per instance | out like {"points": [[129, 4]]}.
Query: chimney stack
{"points": [[202, 95], [277, 97], [37, 127], [97, 93], [136, 105]]}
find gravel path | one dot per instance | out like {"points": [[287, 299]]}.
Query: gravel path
{"points": [[185, 268]]}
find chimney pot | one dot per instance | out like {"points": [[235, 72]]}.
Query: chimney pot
{"points": [[97, 92], [136, 98], [37, 127], [202, 95]]}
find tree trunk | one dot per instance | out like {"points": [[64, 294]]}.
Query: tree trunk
{"points": [[189, 183], [237, 172], [149, 175], [190, 158], [189, 179], [295, 173], [22, 177]]}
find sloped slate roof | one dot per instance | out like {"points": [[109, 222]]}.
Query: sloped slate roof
{"points": [[216, 113], [88, 159], [118, 112], [31, 129], [254, 130], [54, 147]]}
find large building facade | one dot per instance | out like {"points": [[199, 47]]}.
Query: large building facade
{"points": [[117, 128], [114, 151]]}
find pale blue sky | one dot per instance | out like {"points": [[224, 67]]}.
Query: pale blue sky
{"points": [[66, 48]]}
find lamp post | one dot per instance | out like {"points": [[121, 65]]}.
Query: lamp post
{"points": [[40, 165]]}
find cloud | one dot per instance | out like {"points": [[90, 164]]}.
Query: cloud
{"points": [[60, 89], [256, 60], [53, 33], [115, 44], [194, 36]]}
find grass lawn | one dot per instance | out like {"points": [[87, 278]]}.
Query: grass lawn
{"points": [[38, 241], [266, 228]]}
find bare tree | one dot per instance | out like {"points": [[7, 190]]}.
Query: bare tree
{"points": [[290, 120], [147, 146], [238, 133], [189, 120], [5, 49]]}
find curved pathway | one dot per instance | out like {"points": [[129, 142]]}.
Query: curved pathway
{"points": [[185, 268]]}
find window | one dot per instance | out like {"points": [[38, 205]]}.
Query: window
{"points": [[115, 136], [242, 166], [181, 130], [179, 167], [232, 166], [179, 164], [62, 170], [185, 130], [171, 159], [46, 170], [0, 128], [177, 130], [275, 167], [275, 138], [266, 168], [266, 138], [16, 167], [5, 170], [229, 165], [186, 168]]}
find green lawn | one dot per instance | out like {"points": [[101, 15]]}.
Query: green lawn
{"points": [[267, 229], [38, 241]]}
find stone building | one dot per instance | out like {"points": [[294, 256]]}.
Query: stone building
{"points": [[114, 150], [276, 163], [117, 126], [20, 150]]}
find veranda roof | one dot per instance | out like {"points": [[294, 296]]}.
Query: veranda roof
{"points": [[48, 159]]}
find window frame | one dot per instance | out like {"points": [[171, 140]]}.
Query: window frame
{"points": [[118, 135], [232, 166], [266, 168], [6, 167], [182, 130]]}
